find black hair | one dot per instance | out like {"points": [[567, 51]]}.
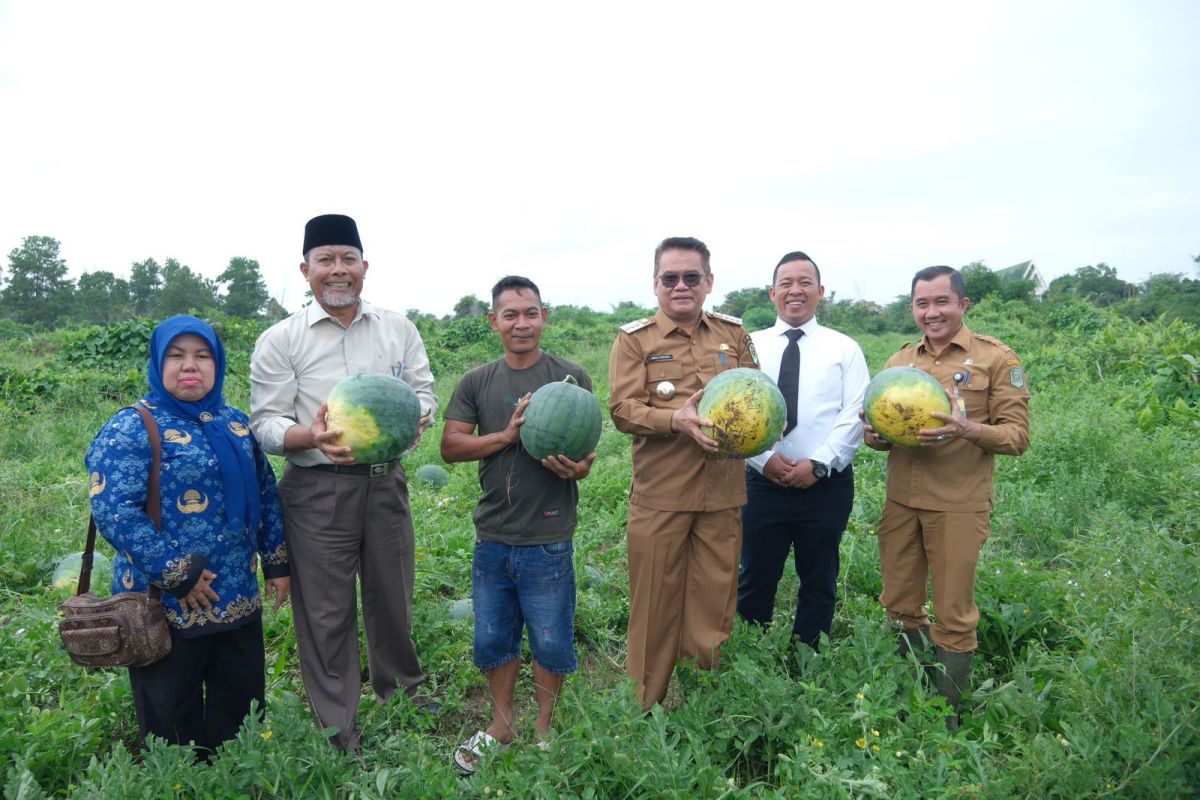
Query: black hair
{"points": [[932, 273], [795, 255], [513, 283], [682, 243]]}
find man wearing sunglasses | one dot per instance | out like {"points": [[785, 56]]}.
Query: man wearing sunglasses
{"points": [[685, 528]]}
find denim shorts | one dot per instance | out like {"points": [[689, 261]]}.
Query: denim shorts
{"points": [[517, 587]]}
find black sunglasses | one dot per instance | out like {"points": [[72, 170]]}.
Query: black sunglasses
{"points": [[670, 279]]}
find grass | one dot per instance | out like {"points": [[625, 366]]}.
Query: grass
{"points": [[1085, 683]]}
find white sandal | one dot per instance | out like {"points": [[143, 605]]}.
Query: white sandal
{"points": [[468, 754]]}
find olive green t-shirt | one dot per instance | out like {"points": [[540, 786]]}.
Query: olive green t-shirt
{"points": [[523, 503]]}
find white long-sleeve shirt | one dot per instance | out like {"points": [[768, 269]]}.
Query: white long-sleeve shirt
{"points": [[833, 380], [298, 361]]}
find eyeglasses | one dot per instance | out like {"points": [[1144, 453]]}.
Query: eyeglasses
{"points": [[690, 279]]}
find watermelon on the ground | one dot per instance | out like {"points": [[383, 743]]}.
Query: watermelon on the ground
{"points": [[432, 475], [462, 609], [562, 418], [591, 578], [379, 416], [899, 402], [746, 409], [66, 573]]}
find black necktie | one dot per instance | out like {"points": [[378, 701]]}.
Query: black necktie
{"points": [[789, 376]]}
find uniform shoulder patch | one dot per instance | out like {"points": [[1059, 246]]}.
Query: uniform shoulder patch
{"points": [[726, 317], [637, 324]]}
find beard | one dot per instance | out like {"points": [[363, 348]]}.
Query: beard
{"points": [[338, 299]]}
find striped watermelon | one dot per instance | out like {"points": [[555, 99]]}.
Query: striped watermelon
{"points": [[562, 418]]}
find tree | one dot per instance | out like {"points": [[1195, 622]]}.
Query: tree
{"points": [[740, 301], [1097, 284], [1170, 296], [38, 289], [979, 281], [101, 297], [470, 306], [145, 287], [184, 291], [245, 291]]}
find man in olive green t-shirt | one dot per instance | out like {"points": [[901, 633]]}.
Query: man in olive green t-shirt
{"points": [[522, 573]]}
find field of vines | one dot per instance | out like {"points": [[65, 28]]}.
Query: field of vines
{"points": [[1085, 685]]}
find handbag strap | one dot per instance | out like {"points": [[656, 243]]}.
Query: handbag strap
{"points": [[153, 504]]}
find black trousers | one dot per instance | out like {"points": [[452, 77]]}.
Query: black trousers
{"points": [[777, 519], [201, 691]]}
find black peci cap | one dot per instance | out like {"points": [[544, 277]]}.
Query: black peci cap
{"points": [[331, 229]]}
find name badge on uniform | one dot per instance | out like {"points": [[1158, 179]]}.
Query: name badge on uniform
{"points": [[659, 357], [665, 390]]}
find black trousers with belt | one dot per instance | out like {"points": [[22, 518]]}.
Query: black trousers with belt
{"points": [[810, 522]]}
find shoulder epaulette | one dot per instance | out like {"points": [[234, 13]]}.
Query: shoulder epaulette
{"points": [[991, 340], [637, 324], [726, 317]]}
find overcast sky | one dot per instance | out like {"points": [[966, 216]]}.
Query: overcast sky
{"points": [[562, 141]]}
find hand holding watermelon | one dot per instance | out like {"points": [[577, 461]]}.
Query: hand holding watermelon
{"points": [[688, 420]]}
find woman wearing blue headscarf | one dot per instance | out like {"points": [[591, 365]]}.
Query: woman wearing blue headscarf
{"points": [[221, 518]]}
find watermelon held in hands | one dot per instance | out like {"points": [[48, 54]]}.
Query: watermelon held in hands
{"points": [[746, 409], [899, 402], [432, 475], [379, 416], [562, 418]]}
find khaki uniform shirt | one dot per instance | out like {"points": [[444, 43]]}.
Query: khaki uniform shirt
{"points": [[298, 361], [670, 471], [957, 475]]}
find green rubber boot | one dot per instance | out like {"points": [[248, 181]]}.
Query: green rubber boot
{"points": [[913, 639], [952, 681]]}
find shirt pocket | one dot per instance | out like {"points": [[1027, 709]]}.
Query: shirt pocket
{"points": [[975, 395], [661, 371], [724, 361]]}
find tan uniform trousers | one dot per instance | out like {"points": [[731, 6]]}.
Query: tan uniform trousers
{"points": [[914, 542], [682, 591]]}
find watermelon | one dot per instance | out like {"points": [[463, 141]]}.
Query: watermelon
{"points": [[432, 475], [379, 416], [562, 418], [899, 402], [592, 578], [462, 609], [746, 409], [66, 573]]}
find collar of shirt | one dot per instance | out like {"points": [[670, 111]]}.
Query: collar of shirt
{"points": [[665, 324], [780, 328], [962, 339], [316, 312]]}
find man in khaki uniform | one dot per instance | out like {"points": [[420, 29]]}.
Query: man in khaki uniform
{"points": [[685, 529], [939, 495]]}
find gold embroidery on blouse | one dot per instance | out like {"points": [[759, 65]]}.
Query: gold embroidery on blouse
{"points": [[192, 502], [238, 608], [176, 437], [176, 570], [277, 556], [239, 429], [99, 483]]}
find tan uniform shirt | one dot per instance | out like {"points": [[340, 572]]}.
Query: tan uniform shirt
{"points": [[957, 475], [298, 361], [649, 358]]}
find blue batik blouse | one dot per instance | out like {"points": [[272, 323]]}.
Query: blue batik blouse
{"points": [[195, 535]]}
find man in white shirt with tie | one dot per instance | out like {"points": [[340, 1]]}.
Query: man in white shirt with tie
{"points": [[800, 492]]}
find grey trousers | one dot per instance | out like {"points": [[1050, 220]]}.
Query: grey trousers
{"points": [[339, 528]]}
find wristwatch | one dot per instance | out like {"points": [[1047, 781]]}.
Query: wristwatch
{"points": [[820, 470]]}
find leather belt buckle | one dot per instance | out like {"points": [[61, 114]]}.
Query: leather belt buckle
{"points": [[378, 470]]}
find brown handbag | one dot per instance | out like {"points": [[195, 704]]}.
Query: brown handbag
{"points": [[128, 629]]}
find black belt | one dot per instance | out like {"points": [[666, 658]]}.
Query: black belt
{"points": [[372, 470]]}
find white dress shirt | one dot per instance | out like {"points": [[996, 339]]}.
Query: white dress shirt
{"points": [[833, 380], [298, 361]]}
